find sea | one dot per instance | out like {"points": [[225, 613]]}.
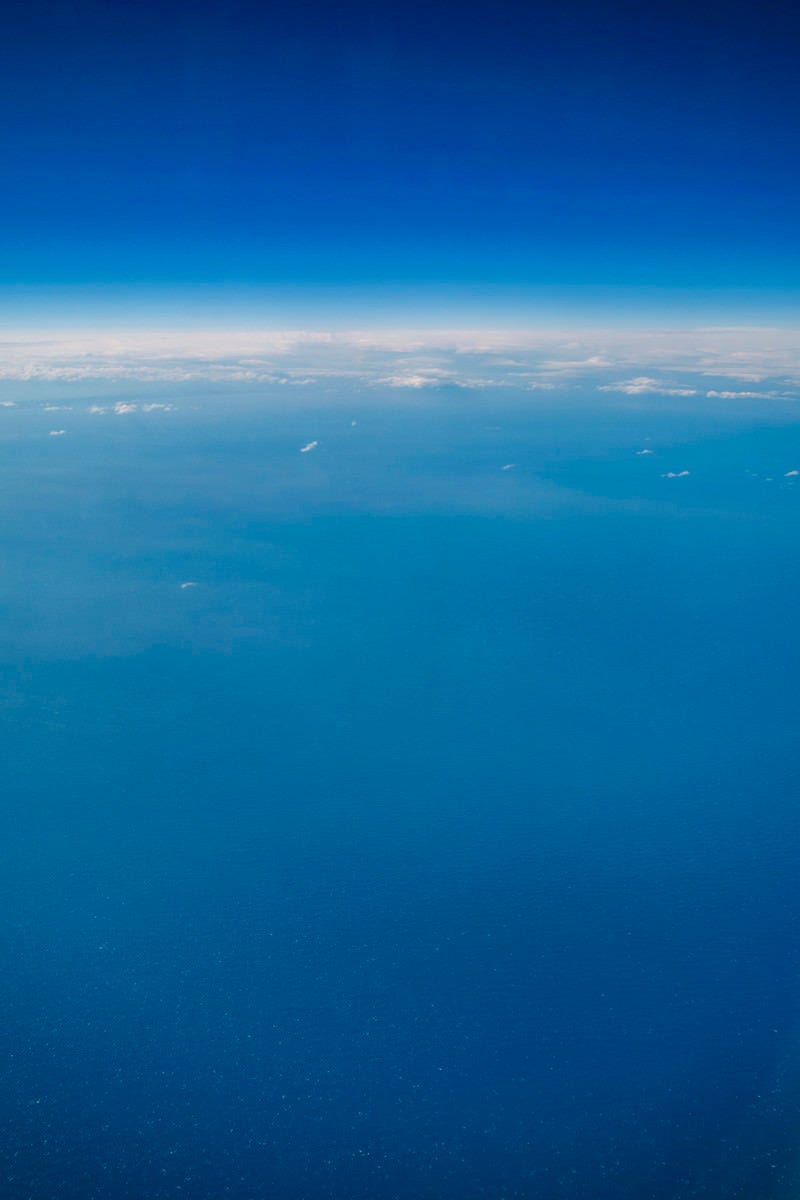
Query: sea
{"points": [[398, 795]]}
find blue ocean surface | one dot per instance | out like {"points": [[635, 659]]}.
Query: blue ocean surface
{"points": [[440, 839]]}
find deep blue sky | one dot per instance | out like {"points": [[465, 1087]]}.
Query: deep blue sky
{"points": [[511, 146]]}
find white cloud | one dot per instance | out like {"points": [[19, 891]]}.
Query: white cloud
{"points": [[674, 474], [121, 407], [789, 474], [310, 446], [643, 385], [570, 365], [428, 378], [188, 584], [508, 467], [57, 432], [640, 452], [723, 372], [7, 404], [742, 395], [644, 362]]}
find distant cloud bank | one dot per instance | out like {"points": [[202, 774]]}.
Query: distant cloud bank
{"points": [[672, 364]]}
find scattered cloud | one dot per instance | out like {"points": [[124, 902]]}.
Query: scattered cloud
{"points": [[723, 372], [309, 446], [121, 407], [57, 432], [508, 467], [674, 474], [742, 395], [426, 377], [789, 474], [641, 452], [643, 385], [190, 583], [572, 365]]}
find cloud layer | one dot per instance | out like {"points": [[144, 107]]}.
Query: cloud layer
{"points": [[677, 364]]}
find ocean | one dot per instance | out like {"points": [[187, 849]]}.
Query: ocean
{"points": [[414, 816]]}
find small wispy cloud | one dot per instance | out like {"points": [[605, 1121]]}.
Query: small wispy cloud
{"points": [[419, 380], [643, 385], [310, 446], [189, 583], [571, 365], [741, 395], [122, 407], [674, 474], [57, 432], [790, 474], [508, 467], [641, 452], [723, 372]]}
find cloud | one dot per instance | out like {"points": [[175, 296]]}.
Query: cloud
{"points": [[643, 385], [644, 362], [570, 365], [57, 432], [310, 446], [674, 474], [121, 407], [411, 381], [742, 395], [7, 404], [188, 584], [789, 474], [425, 377], [508, 467], [723, 372], [641, 452]]}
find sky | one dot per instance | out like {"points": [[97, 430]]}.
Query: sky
{"points": [[359, 163]]}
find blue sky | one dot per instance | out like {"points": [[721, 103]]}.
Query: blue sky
{"points": [[483, 161]]}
